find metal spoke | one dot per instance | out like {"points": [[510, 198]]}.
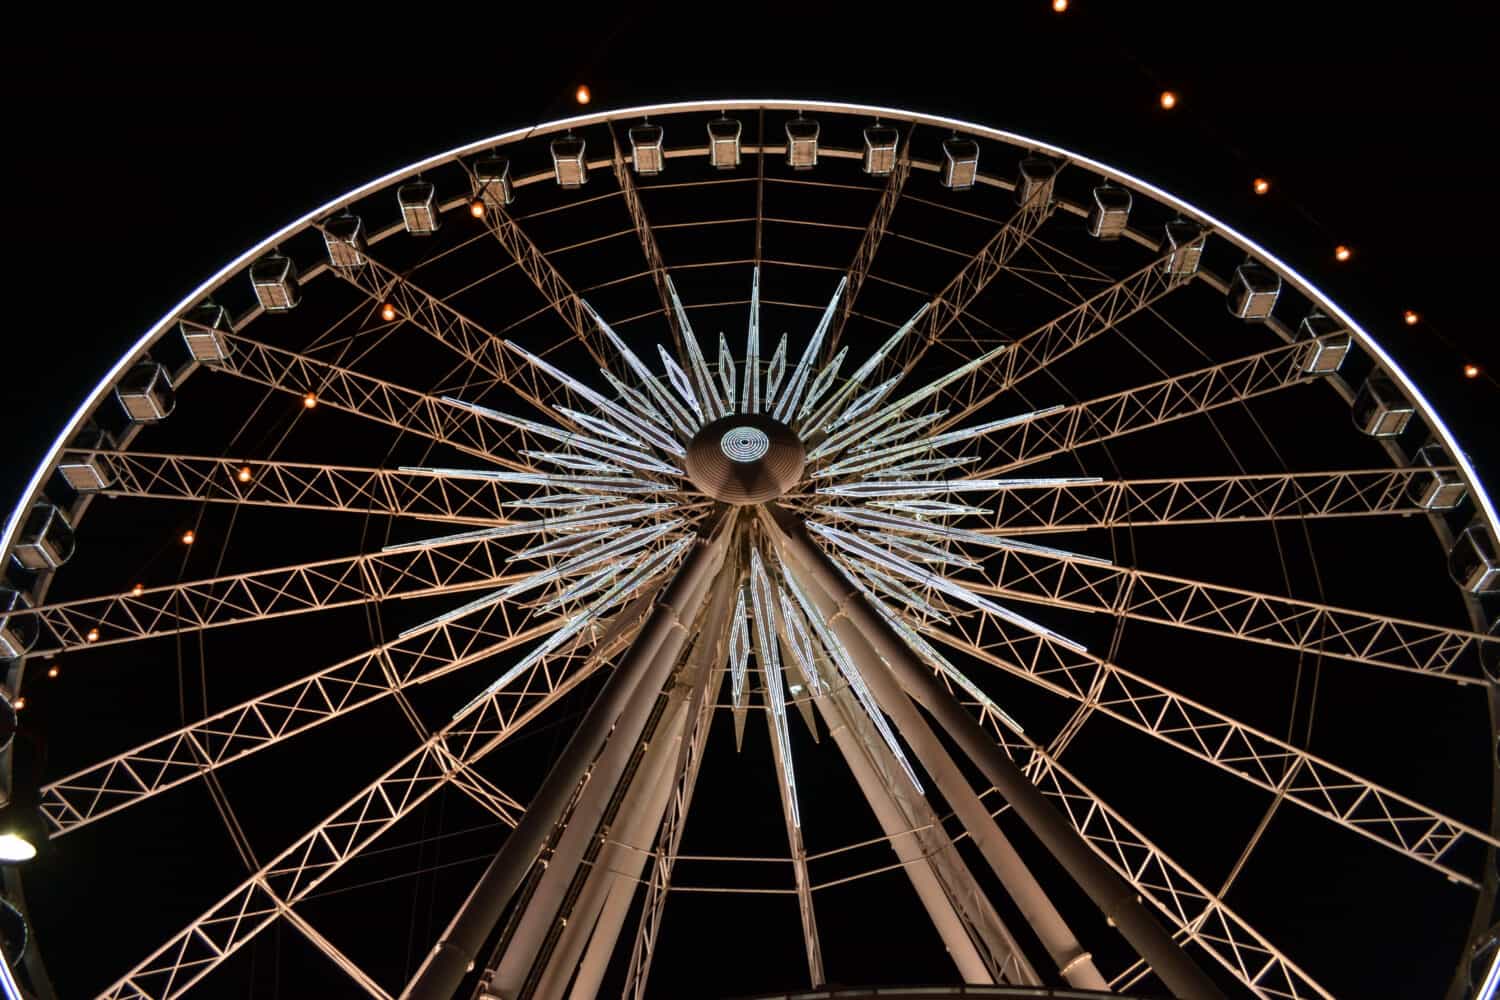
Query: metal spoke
{"points": [[1338, 794], [304, 486], [1190, 907], [271, 593], [1072, 427], [228, 925], [435, 317], [954, 299], [197, 749], [553, 286], [1204, 500], [1094, 317], [378, 400], [1376, 640], [643, 232], [869, 243]]}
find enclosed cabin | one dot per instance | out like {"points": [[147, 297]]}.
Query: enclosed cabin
{"points": [[492, 178], [1380, 410], [274, 279], [1183, 246], [145, 393], [1253, 291], [568, 164], [81, 467], [17, 630], [1035, 182], [802, 143], [646, 150], [1110, 214], [205, 330], [1440, 488], [344, 236], [419, 211], [880, 150], [1474, 560], [960, 164], [724, 143], [45, 541], [1329, 344]]}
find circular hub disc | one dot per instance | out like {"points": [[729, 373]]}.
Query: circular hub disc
{"points": [[745, 458]]}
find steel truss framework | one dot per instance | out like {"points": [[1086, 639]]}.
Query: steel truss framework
{"points": [[571, 548]]}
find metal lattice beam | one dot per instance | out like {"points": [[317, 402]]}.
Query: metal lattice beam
{"points": [[954, 299], [1195, 911], [647, 238], [1092, 318], [378, 400], [250, 908], [869, 243], [1338, 794], [1205, 500], [1267, 619], [550, 282], [271, 593], [1142, 407], [234, 733], [303, 486]]}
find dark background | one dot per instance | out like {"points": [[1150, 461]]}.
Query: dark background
{"points": [[141, 160]]}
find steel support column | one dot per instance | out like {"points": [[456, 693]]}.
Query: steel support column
{"points": [[1074, 964], [1114, 897], [878, 778], [644, 669], [641, 794]]}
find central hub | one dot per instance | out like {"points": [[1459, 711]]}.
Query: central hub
{"points": [[745, 458]]}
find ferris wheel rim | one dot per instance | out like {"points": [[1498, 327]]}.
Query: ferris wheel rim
{"points": [[230, 270], [1408, 386]]}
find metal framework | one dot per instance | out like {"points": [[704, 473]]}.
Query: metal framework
{"points": [[565, 526]]}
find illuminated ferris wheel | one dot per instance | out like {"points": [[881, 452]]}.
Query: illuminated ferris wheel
{"points": [[980, 537]]}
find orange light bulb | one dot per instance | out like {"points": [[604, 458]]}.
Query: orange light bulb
{"points": [[1411, 318], [388, 312], [92, 635], [20, 703], [52, 671], [1168, 100], [188, 537], [1342, 253], [1059, 5], [476, 208], [138, 590], [1261, 186], [582, 94], [244, 475], [309, 400], [1471, 371]]}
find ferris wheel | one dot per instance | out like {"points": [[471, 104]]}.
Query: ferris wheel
{"points": [[1031, 581]]}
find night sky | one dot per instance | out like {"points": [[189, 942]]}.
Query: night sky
{"points": [[140, 161]]}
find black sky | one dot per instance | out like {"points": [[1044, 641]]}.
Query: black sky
{"points": [[141, 160]]}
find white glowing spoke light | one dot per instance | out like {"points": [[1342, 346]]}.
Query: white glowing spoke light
{"points": [[881, 491]]}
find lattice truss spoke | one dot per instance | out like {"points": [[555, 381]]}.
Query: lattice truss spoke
{"points": [[436, 418], [423, 654], [1206, 500], [281, 883], [1091, 585], [305, 486], [1338, 794], [1065, 429], [1199, 914]]}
